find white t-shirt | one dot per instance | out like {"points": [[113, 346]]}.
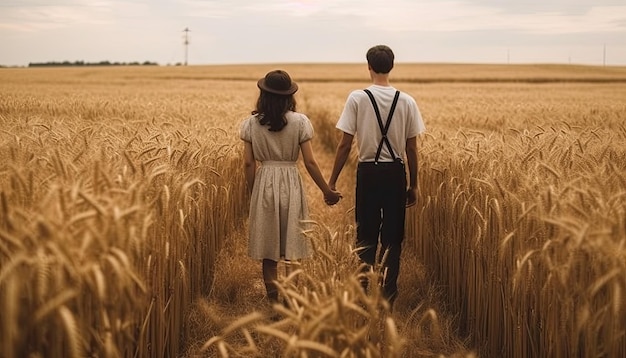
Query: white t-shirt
{"points": [[359, 119]]}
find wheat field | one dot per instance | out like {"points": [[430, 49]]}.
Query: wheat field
{"points": [[123, 217]]}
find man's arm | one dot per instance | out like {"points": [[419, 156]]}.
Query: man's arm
{"points": [[411, 157], [341, 156]]}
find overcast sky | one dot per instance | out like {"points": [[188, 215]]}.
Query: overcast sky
{"points": [[283, 31]]}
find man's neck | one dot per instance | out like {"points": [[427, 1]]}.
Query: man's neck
{"points": [[380, 79]]}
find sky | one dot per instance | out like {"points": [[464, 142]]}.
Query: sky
{"points": [[589, 32]]}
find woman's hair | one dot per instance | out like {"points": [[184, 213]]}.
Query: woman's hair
{"points": [[271, 109]]}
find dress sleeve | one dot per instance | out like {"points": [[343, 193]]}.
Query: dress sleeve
{"points": [[245, 130], [306, 129]]}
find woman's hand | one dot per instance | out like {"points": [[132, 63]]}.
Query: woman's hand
{"points": [[332, 197]]}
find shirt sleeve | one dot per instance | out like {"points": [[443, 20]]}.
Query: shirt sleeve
{"points": [[347, 120], [416, 123], [245, 131], [306, 129]]}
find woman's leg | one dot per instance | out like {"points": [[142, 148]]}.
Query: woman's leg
{"points": [[270, 276]]}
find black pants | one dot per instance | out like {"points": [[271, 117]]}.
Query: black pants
{"points": [[380, 214]]}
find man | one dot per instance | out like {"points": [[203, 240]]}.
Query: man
{"points": [[384, 143]]}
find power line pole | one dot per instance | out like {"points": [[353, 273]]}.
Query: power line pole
{"points": [[186, 31], [604, 56]]}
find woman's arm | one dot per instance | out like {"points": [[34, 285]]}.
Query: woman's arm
{"points": [[249, 165], [314, 171]]}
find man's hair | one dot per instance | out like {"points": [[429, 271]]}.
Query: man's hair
{"points": [[380, 59]]}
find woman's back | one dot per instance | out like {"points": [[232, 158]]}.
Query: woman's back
{"points": [[283, 145]]}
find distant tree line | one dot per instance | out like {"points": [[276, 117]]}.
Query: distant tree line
{"points": [[83, 63]]}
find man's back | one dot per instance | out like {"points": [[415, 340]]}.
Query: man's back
{"points": [[359, 119]]}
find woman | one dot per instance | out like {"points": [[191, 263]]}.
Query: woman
{"points": [[274, 135]]}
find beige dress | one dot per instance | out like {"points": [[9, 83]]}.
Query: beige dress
{"points": [[278, 202]]}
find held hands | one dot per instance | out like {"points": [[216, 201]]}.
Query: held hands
{"points": [[332, 197]]}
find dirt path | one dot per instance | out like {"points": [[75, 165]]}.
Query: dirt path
{"points": [[239, 290]]}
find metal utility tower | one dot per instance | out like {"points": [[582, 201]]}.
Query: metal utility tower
{"points": [[186, 31]]}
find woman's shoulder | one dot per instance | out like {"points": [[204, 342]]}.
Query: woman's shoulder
{"points": [[297, 116], [301, 124], [248, 121], [301, 121], [245, 127]]}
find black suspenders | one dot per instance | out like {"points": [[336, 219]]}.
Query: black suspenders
{"points": [[385, 128]]}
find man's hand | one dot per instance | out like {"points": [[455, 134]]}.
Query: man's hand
{"points": [[332, 197], [411, 197]]}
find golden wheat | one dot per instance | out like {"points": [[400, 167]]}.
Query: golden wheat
{"points": [[126, 194]]}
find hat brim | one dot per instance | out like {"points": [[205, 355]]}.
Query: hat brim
{"points": [[294, 87]]}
